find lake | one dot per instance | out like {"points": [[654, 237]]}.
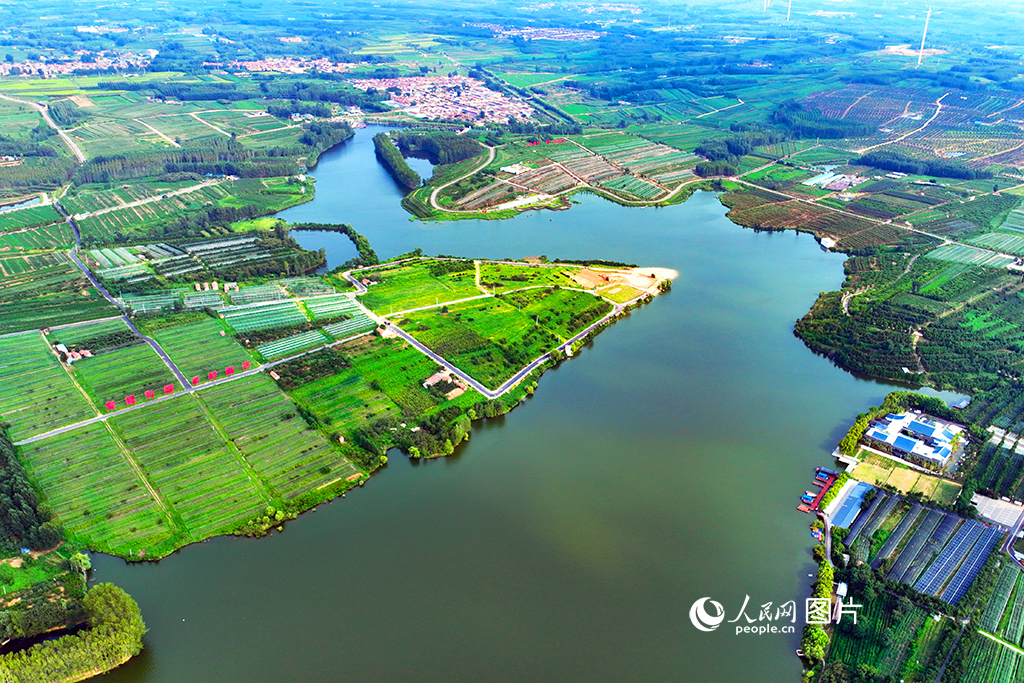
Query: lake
{"points": [[567, 540]]}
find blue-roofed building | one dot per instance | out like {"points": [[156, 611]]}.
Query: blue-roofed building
{"points": [[922, 439]]}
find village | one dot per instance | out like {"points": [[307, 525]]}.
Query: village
{"points": [[447, 97]]}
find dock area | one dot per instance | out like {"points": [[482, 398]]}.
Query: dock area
{"points": [[824, 478]]}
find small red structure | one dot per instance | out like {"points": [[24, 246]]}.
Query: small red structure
{"points": [[149, 393], [111, 405], [195, 380], [229, 370], [245, 365], [130, 400], [168, 388], [212, 375]]}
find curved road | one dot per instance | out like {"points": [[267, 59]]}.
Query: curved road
{"points": [[433, 195]]}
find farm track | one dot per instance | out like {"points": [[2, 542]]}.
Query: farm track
{"points": [[43, 111], [126, 453], [254, 477], [150, 200], [938, 110], [162, 135]]}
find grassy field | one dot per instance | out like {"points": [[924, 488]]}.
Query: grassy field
{"points": [[409, 286], [492, 339], [198, 348], [877, 470], [503, 277], [37, 395]]}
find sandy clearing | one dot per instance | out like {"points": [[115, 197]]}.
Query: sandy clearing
{"points": [[907, 51], [644, 279]]}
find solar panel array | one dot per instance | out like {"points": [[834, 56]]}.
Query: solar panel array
{"points": [[950, 557], [964, 576]]}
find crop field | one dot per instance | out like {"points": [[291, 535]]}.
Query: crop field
{"points": [[886, 641], [203, 479], [262, 422], [411, 285], [958, 253], [330, 306], [262, 316], [1000, 241], [506, 277], [34, 239], [257, 293], [291, 345], [990, 662], [37, 395], [89, 198], [94, 491], [46, 290], [198, 348], [31, 217], [346, 328], [877, 471], [491, 339], [992, 617], [306, 286], [128, 371], [268, 195]]}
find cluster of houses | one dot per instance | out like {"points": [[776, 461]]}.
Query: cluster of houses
{"points": [[215, 286], [447, 97], [446, 376], [918, 438], [69, 356]]}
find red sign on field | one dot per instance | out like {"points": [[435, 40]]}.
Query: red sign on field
{"points": [[229, 370], [195, 380], [111, 405], [168, 388], [212, 375], [130, 400], [245, 365], [149, 393]]}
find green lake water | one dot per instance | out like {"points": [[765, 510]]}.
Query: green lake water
{"points": [[567, 540]]}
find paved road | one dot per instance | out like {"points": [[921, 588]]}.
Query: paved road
{"points": [[185, 383], [938, 110], [75, 149], [150, 200], [1008, 546], [433, 195]]}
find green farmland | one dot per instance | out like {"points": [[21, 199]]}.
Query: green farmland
{"points": [[37, 395], [492, 339], [407, 286], [46, 290], [290, 457], [198, 348], [96, 490]]}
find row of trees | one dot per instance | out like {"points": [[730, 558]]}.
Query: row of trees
{"points": [[390, 156], [894, 160], [24, 519], [440, 148]]}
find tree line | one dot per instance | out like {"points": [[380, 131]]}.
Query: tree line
{"points": [[392, 159], [24, 519]]}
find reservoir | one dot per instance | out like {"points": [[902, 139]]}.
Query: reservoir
{"points": [[567, 540]]}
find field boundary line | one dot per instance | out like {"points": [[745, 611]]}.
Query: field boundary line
{"points": [[254, 477], [1002, 642], [140, 473]]}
